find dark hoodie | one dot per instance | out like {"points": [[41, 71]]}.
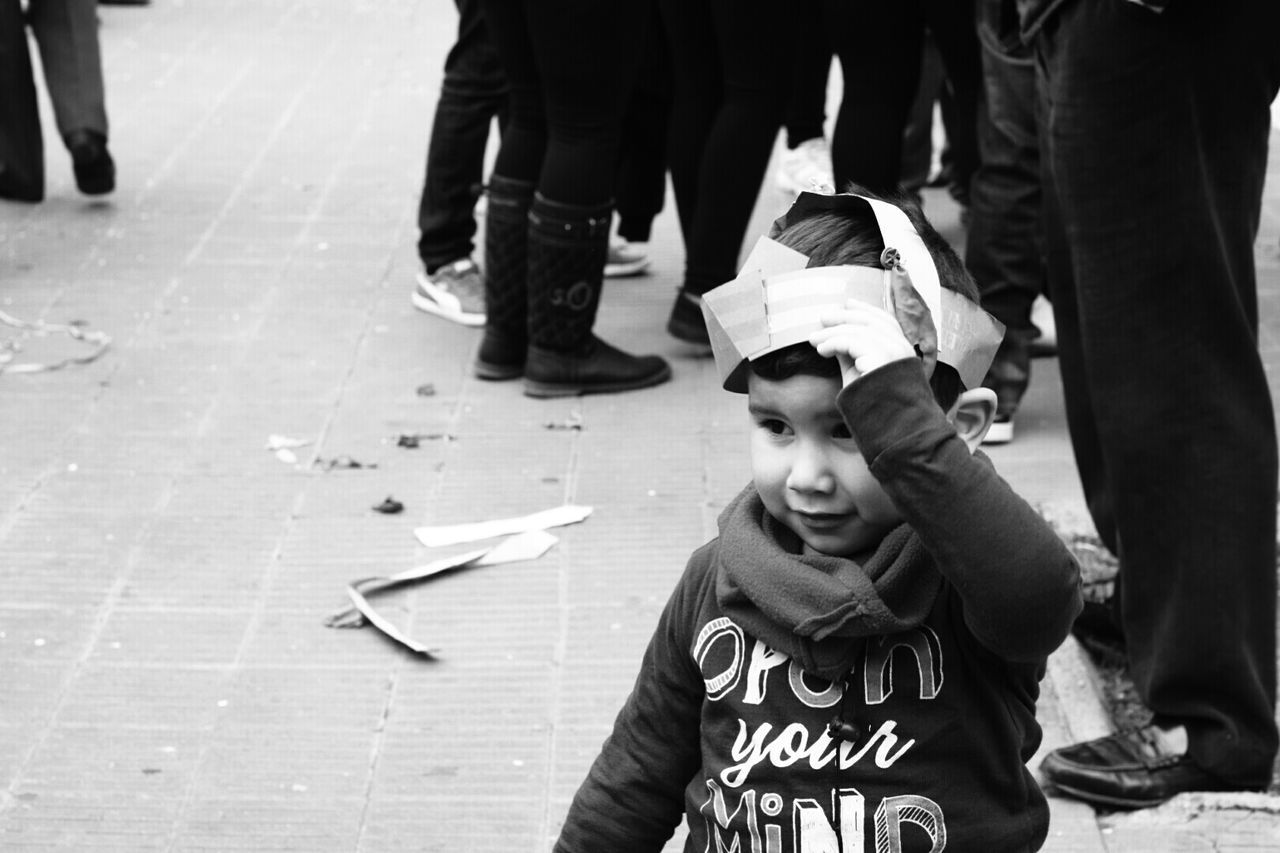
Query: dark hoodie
{"points": [[933, 649]]}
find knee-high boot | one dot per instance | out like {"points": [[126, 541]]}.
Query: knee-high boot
{"points": [[506, 272], [567, 249]]}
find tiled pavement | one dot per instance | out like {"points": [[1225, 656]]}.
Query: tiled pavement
{"points": [[169, 684]]}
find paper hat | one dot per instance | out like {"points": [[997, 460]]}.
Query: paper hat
{"points": [[778, 300]]}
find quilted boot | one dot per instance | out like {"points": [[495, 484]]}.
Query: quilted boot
{"points": [[506, 268], [567, 249]]}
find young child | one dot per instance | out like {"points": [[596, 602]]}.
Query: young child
{"points": [[853, 664]]}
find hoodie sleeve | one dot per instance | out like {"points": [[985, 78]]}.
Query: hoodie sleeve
{"points": [[1019, 583], [633, 796]]}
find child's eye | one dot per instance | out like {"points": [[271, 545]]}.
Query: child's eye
{"points": [[841, 431], [773, 426]]}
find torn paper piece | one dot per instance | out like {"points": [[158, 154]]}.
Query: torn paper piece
{"points": [[285, 442], [525, 546], [39, 328], [283, 446], [452, 534]]}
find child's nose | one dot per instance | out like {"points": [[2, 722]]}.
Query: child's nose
{"points": [[810, 473]]}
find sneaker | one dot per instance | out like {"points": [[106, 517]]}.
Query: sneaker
{"points": [[1001, 431], [805, 167], [625, 259], [1046, 343], [455, 291]]}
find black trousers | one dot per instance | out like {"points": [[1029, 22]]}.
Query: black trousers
{"points": [[879, 45], [732, 62], [1155, 133], [1005, 244], [571, 66]]}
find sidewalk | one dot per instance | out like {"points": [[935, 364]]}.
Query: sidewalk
{"points": [[170, 683]]}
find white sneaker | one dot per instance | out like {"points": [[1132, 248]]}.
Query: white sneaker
{"points": [[455, 291], [625, 258], [805, 167], [1046, 343], [1001, 431]]}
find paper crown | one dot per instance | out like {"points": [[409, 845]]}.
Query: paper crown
{"points": [[778, 300]]}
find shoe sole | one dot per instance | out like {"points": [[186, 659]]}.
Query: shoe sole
{"points": [[430, 306], [548, 390], [491, 372], [96, 187], [625, 270], [1104, 800], [999, 434]]}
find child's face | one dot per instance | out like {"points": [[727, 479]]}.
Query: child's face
{"points": [[808, 470]]}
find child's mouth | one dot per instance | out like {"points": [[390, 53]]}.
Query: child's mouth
{"points": [[820, 520]]}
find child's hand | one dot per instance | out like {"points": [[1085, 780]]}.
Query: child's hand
{"points": [[862, 338]]}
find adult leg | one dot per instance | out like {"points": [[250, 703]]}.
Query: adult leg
{"points": [[879, 47], [736, 152], [641, 184], [806, 159], [67, 34], [587, 71], [695, 63], [1005, 248], [806, 113], [954, 29], [503, 348], [21, 143], [917, 132], [472, 94], [753, 44], [1156, 131]]}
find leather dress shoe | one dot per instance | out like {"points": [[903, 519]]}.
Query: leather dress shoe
{"points": [[94, 169], [1126, 770]]}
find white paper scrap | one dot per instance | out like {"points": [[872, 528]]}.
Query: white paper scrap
{"points": [[525, 546], [284, 442], [452, 534]]}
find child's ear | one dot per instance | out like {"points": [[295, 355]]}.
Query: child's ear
{"points": [[974, 413]]}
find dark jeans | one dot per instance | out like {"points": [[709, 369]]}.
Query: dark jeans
{"points": [[473, 92], [879, 45], [1005, 248], [731, 61], [1155, 138], [571, 65]]}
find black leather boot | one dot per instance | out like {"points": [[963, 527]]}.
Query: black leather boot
{"points": [[506, 270], [568, 245]]}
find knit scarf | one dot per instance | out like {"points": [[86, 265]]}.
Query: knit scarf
{"points": [[817, 608]]}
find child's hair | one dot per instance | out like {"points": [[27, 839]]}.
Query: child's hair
{"points": [[853, 238]]}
